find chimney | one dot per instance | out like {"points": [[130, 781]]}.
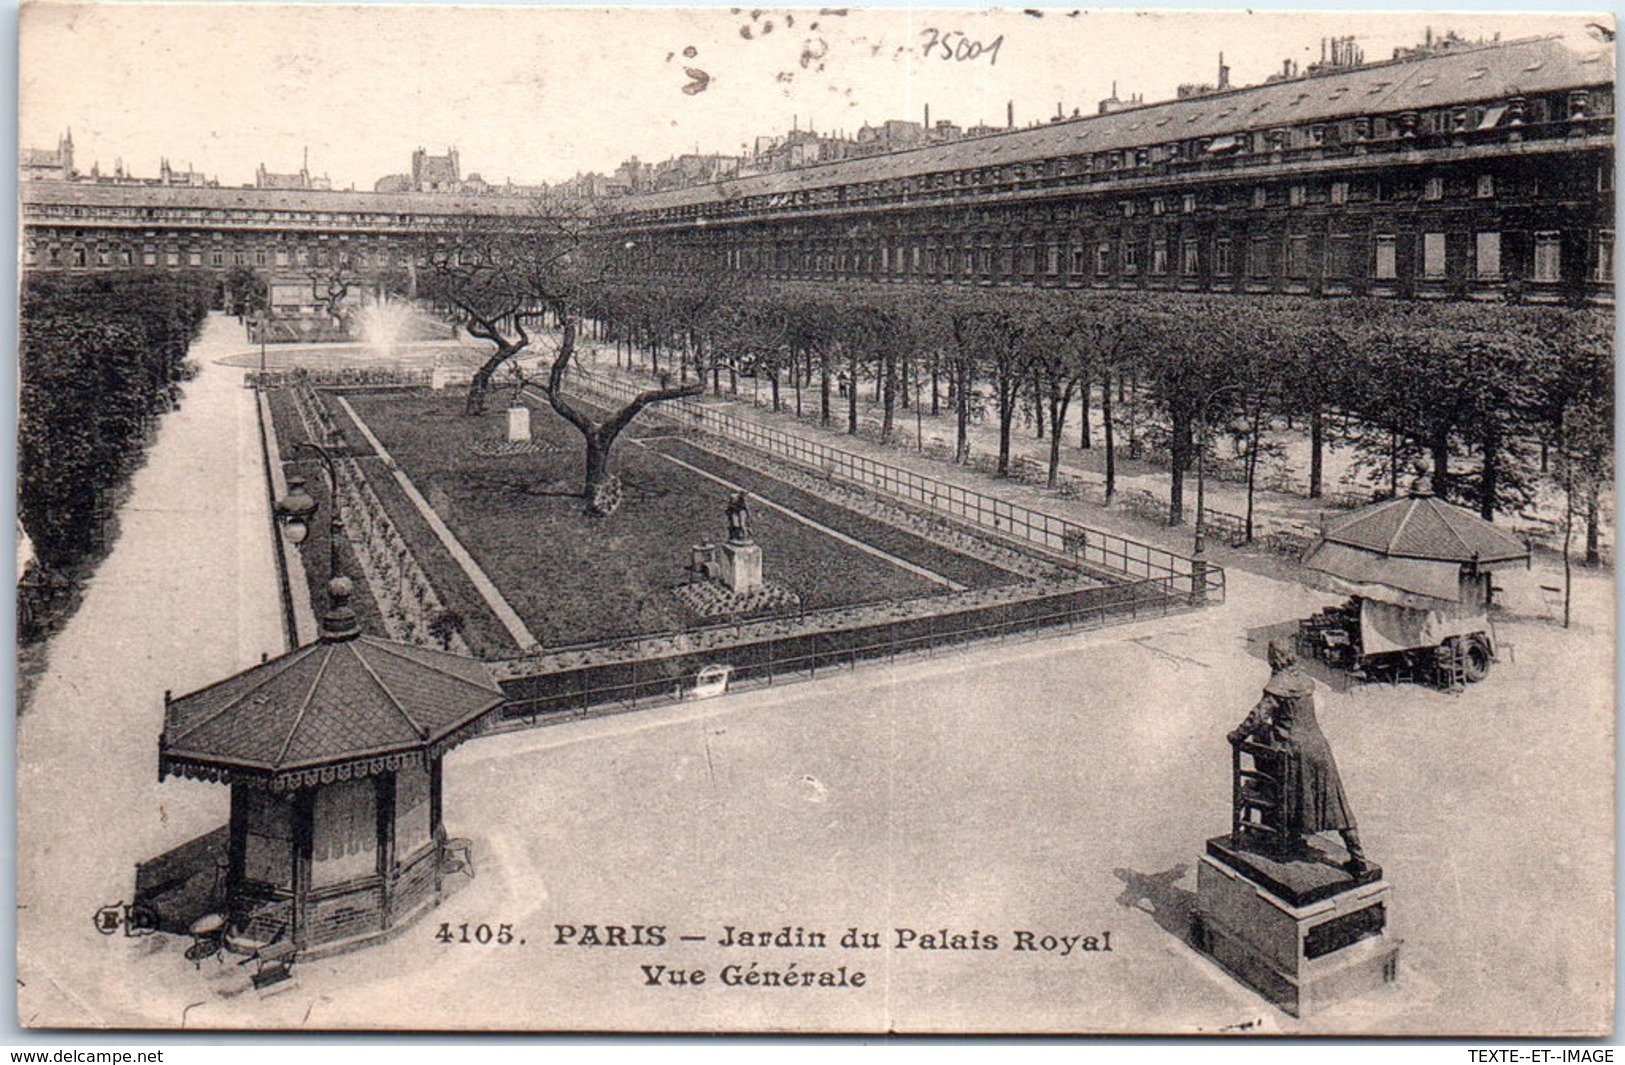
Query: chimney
{"points": [[1010, 115], [1224, 74], [928, 118]]}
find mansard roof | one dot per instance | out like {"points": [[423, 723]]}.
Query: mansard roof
{"points": [[1471, 75], [87, 194]]}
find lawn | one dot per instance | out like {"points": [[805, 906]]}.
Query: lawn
{"points": [[573, 578], [971, 572]]}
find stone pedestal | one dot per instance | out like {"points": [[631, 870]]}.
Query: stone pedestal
{"points": [[518, 424], [742, 567], [1303, 933]]}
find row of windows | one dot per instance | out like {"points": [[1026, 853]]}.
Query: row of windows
{"points": [[83, 255], [1260, 257], [181, 215], [1336, 193], [1563, 181], [1411, 127]]}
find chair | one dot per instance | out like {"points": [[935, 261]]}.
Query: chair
{"points": [[457, 856], [208, 935], [1255, 793], [263, 938]]}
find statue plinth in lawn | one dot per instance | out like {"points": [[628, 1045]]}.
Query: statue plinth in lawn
{"points": [[741, 561], [518, 423], [1297, 918]]}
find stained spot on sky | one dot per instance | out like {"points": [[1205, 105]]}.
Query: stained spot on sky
{"points": [[701, 82], [690, 52], [744, 31], [814, 51]]}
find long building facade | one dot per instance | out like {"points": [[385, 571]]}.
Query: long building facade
{"points": [[295, 238], [1482, 172], [1478, 172]]}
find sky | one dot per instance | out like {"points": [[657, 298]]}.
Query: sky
{"points": [[537, 94]]}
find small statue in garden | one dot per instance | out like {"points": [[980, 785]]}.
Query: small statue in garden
{"points": [[739, 518]]}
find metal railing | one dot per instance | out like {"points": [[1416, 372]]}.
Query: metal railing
{"points": [[591, 690], [1115, 555], [347, 377]]}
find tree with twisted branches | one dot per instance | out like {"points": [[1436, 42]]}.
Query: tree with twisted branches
{"points": [[503, 279]]}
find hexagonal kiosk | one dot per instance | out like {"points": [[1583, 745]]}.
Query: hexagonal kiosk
{"points": [[333, 755]]}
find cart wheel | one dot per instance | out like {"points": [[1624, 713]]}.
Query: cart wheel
{"points": [[1475, 659]]}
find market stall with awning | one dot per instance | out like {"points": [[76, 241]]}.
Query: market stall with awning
{"points": [[1418, 571]]}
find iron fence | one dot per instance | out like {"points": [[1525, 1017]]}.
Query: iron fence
{"points": [[1110, 553], [347, 377], [608, 687]]}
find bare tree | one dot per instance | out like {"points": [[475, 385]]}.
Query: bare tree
{"points": [[498, 275], [503, 277]]}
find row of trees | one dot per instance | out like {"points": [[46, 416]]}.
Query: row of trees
{"points": [[1473, 386], [101, 357], [1480, 388]]}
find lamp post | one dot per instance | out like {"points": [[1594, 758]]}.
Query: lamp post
{"points": [[259, 326], [297, 508], [1200, 540]]}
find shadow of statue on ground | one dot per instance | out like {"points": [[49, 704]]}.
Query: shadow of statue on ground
{"points": [[1160, 896]]}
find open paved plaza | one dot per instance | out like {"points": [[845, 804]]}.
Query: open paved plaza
{"points": [[1061, 787]]}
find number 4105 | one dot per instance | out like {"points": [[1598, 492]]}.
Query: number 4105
{"points": [[483, 934]]}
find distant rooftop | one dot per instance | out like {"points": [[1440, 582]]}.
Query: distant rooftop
{"points": [[74, 193], [1464, 74]]}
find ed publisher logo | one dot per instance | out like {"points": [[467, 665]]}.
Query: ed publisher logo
{"points": [[136, 920]]}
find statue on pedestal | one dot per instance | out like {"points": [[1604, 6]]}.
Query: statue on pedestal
{"points": [[1308, 796], [739, 518]]}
